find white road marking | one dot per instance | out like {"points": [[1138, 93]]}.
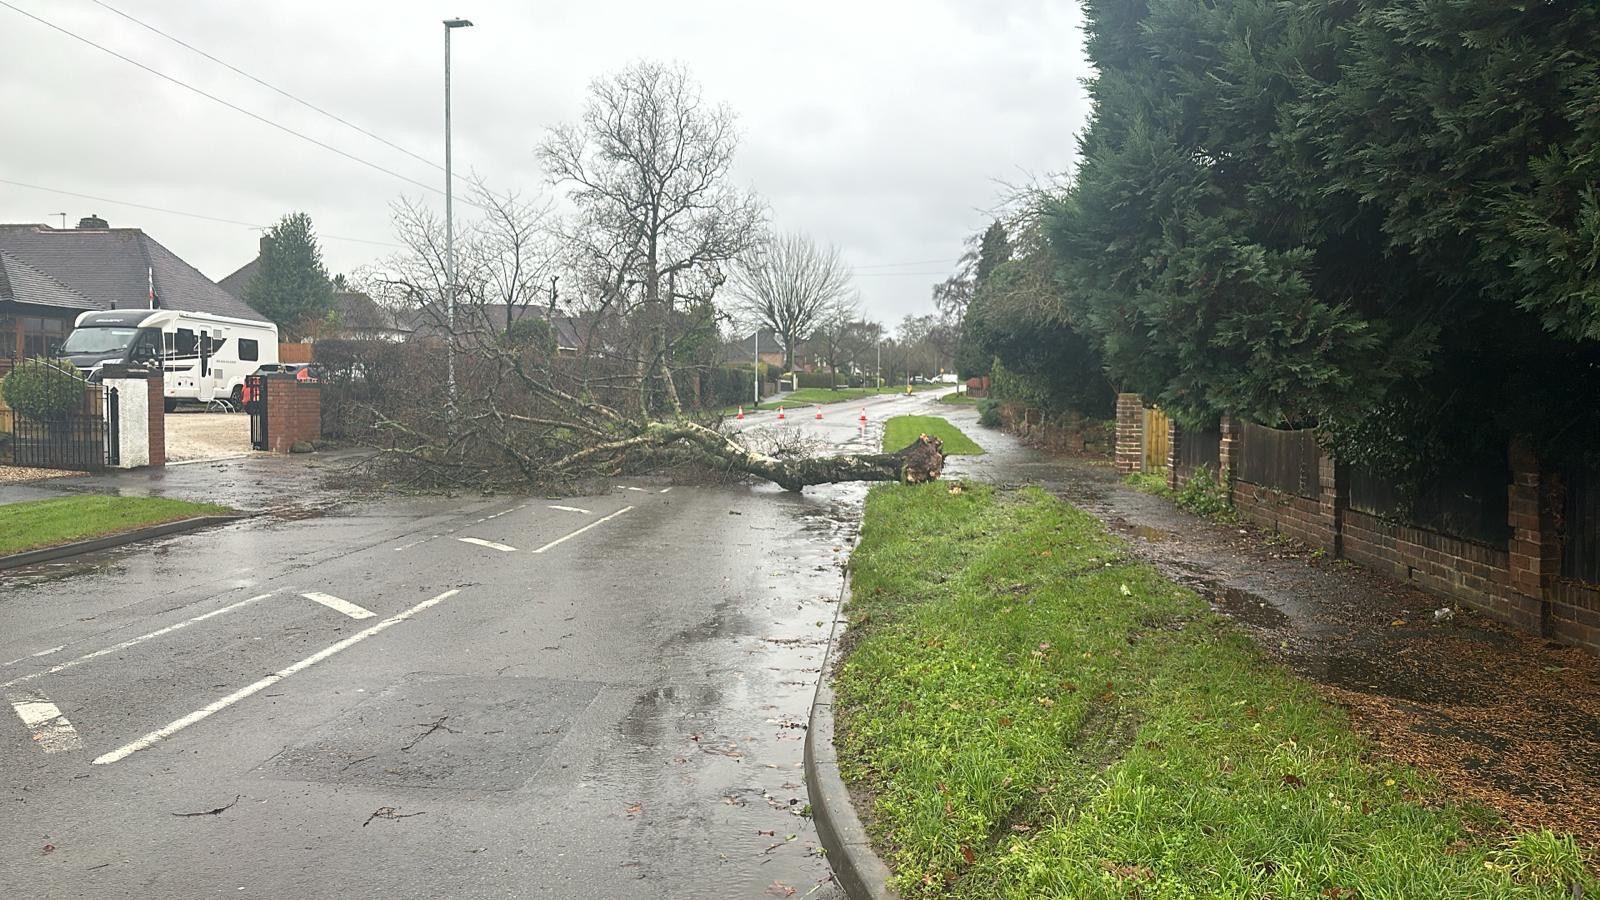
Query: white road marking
{"points": [[575, 509], [37, 655], [50, 729], [415, 543], [632, 488], [504, 548], [595, 524], [338, 605], [132, 641], [664, 490], [205, 712]]}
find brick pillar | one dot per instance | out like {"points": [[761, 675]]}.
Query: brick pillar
{"points": [[1174, 435], [158, 418], [1130, 434], [1225, 451], [1332, 499], [1534, 547], [294, 412]]}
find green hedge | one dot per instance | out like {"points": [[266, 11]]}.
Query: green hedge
{"points": [[819, 380], [43, 389]]}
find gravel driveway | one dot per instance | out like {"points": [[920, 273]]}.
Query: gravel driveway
{"points": [[206, 435]]}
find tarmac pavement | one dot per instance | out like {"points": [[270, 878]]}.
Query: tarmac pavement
{"points": [[585, 697]]}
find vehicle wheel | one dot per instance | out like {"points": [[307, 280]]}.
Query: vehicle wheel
{"points": [[237, 398], [171, 405]]}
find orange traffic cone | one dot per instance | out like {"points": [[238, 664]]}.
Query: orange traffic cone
{"points": [[863, 417], [819, 412], [741, 413], [780, 414]]}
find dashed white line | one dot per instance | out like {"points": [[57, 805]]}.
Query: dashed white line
{"points": [[503, 548], [205, 712], [575, 509], [630, 487], [36, 655], [595, 524], [338, 605], [664, 490], [415, 543], [132, 641], [50, 729]]}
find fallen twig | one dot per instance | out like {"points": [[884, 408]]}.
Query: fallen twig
{"points": [[388, 812]]}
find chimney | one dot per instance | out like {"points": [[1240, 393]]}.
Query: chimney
{"points": [[93, 221]]}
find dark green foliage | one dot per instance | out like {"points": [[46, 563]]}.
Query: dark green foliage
{"points": [[989, 412], [291, 287], [531, 333], [726, 386], [1379, 218], [43, 389]]}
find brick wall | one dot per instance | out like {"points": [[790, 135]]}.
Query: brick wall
{"points": [[1130, 434], [1069, 433], [158, 419], [294, 412], [1518, 583]]}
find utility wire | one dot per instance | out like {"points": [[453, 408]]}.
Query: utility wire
{"points": [[178, 212], [213, 97], [269, 86]]}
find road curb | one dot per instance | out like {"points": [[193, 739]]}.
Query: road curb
{"points": [[855, 864], [31, 557]]}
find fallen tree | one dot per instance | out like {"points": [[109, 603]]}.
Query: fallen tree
{"points": [[527, 419]]}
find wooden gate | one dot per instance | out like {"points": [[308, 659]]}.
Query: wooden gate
{"points": [[1157, 439]]}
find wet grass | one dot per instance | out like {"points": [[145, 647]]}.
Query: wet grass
{"points": [[46, 523], [960, 398], [1036, 714], [900, 431], [823, 396]]}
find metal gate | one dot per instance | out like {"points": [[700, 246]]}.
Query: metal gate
{"points": [[83, 439], [255, 403]]}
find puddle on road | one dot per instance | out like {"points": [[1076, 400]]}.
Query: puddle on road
{"points": [[1153, 535], [1247, 607]]}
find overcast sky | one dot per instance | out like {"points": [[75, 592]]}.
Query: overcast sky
{"points": [[879, 126]]}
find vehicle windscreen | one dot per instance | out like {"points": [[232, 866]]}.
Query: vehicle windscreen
{"points": [[98, 340]]}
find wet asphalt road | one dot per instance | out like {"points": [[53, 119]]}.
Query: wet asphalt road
{"points": [[428, 697]]}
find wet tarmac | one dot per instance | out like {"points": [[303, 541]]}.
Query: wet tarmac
{"points": [[612, 703]]}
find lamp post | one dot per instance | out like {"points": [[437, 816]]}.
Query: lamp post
{"points": [[450, 219], [758, 365]]}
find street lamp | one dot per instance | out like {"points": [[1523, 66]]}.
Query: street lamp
{"points": [[449, 218], [758, 364]]}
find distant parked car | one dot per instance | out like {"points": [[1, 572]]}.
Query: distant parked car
{"points": [[918, 379]]}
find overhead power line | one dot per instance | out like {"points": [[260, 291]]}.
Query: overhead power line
{"points": [[235, 107], [178, 212], [268, 85]]}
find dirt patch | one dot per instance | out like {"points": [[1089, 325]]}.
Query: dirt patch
{"points": [[206, 435]]}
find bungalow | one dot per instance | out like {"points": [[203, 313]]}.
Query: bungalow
{"points": [[48, 276]]}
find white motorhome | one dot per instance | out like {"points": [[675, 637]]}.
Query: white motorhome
{"points": [[204, 357]]}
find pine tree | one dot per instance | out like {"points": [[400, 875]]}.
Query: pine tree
{"points": [[291, 287]]}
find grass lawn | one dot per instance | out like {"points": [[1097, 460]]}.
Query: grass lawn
{"points": [[960, 397], [1036, 714], [818, 396], [902, 430], [45, 523]]}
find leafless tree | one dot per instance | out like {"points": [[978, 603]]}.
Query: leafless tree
{"points": [[647, 167], [791, 285]]}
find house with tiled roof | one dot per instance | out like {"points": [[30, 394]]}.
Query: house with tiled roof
{"points": [[48, 276]]}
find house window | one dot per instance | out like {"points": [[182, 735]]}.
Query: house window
{"points": [[248, 350], [41, 336]]}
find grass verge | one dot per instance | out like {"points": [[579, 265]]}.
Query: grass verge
{"points": [[961, 398], [1036, 714], [902, 430], [34, 524]]}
